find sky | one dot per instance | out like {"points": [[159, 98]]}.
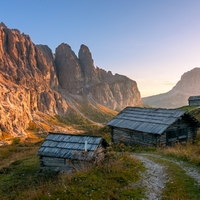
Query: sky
{"points": [[150, 41]]}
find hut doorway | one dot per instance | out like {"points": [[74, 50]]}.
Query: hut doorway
{"points": [[170, 137]]}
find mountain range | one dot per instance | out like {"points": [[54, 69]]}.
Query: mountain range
{"points": [[189, 85], [37, 85]]}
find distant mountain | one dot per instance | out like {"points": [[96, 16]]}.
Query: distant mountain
{"points": [[189, 85], [35, 82]]}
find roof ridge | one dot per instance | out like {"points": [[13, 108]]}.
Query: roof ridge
{"points": [[69, 134]]}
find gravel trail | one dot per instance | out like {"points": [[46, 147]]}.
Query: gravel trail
{"points": [[190, 171], [154, 178]]}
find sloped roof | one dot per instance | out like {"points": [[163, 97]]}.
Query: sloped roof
{"points": [[149, 120], [194, 98], [70, 146]]}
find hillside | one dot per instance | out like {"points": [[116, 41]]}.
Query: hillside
{"points": [[38, 87], [189, 85]]}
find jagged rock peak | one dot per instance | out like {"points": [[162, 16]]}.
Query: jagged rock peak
{"points": [[85, 56], [64, 45], [87, 65], [65, 49], [68, 69], [84, 49], [2, 24]]}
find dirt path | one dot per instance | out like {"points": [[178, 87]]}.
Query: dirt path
{"points": [[189, 170], [155, 177]]}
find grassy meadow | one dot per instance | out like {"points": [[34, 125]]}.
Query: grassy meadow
{"points": [[115, 178], [111, 179]]}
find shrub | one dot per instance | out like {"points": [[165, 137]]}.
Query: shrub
{"points": [[16, 140]]}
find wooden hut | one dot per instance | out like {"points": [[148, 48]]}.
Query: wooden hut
{"points": [[67, 152], [194, 100], [152, 126]]}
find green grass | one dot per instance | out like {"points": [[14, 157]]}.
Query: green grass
{"points": [[16, 152], [193, 110], [188, 108], [98, 114], [75, 119], [111, 179], [18, 177]]}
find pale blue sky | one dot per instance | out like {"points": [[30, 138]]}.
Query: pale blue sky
{"points": [[151, 41]]}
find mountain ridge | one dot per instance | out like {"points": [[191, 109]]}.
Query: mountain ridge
{"points": [[178, 96], [34, 81]]}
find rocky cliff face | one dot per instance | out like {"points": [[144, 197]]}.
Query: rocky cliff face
{"points": [[27, 76], [33, 80], [78, 76], [189, 85]]}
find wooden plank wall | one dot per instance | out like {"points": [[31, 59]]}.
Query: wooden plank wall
{"points": [[188, 132], [194, 102], [58, 164], [130, 137], [133, 137]]}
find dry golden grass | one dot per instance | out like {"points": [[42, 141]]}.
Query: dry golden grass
{"points": [[188, 151], [107, 110]]}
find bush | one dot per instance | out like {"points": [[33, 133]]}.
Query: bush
{"points": [[16, 140], [121, 147]]}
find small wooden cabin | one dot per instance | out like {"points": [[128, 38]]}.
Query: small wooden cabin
{"points": [[67, 152], [152, 126], [194, 101]]}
